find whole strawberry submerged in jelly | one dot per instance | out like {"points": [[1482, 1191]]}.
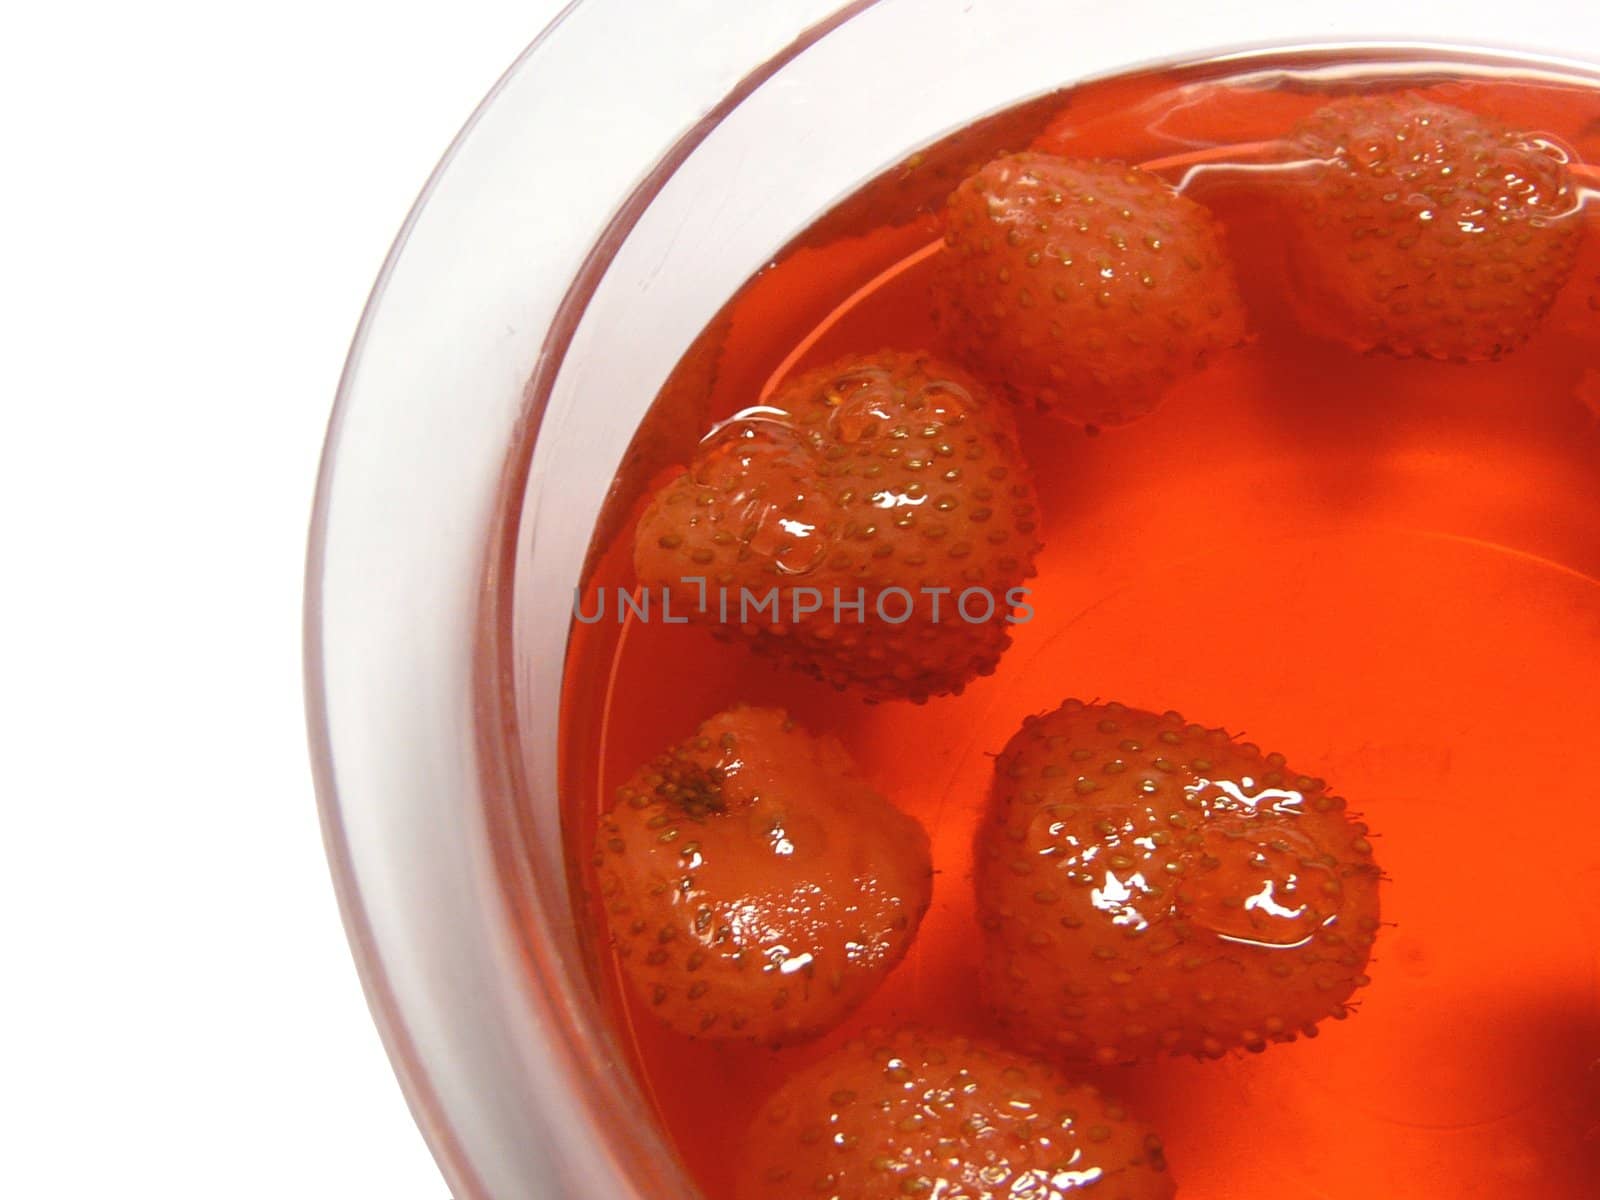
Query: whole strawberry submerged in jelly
{"points": [[871, 523], [1422, 229], [937, 1115], [756, 887], [1086, 288], [1147, 885]]}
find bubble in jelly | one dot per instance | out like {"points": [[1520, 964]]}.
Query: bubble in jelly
{"points": [[768, 475]]}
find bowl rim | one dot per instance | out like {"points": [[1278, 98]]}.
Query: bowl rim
{"points": [[406, 1060]]}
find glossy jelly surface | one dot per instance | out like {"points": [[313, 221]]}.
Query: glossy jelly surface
{"points": [[1386, 569]]}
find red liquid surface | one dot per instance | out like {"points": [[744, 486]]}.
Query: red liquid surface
{"points": [[1387, 570]]}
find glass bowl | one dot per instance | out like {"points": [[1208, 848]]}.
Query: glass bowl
{"points": [[628, 173]]}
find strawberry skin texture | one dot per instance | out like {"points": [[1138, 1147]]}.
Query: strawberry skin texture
{"points": [[1086, 288], [877, 472], [928, 1114], [1423, 230], [756, 887], [1150, 886]]}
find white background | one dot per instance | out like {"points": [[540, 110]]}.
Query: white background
{"points": [[194, 200]]}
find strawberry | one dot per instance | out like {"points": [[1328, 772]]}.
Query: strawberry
{"points": [[1421, 229], [871, 524], [1148, 885], [1086, 288], [934, 1115], [755, 885]]}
